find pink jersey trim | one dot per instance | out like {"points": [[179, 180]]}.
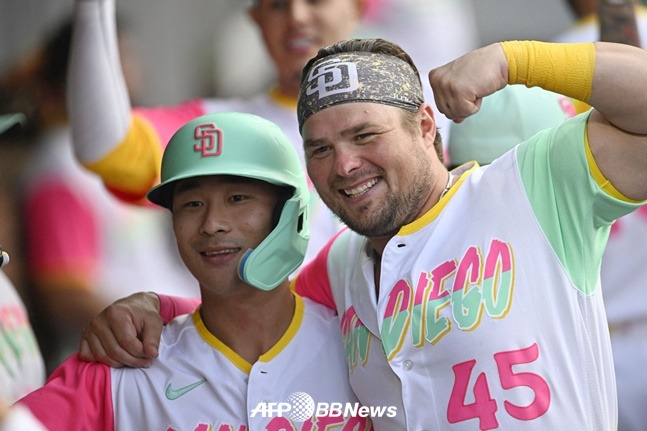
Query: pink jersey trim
{"points": [[313, 282], [173, 306], [77, 396]]}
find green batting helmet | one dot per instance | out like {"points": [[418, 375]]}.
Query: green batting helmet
{"points": [[244, 145]]}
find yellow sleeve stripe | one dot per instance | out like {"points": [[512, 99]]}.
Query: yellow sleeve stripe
{"points": [[133, 167], [599, 177]]}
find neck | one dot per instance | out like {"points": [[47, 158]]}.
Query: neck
{"points": [[250, 321], [442, 183]]}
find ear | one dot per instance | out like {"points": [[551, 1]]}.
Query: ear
{"points": [[427, 124]]}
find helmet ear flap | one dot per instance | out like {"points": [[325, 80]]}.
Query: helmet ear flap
{"points": [[281, 252]]}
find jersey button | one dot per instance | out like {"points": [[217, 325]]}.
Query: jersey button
{"points": [[407, 365]]}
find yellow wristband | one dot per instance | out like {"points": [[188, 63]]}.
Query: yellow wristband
{"points": [[565, 68]]}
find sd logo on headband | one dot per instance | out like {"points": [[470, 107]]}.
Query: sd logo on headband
{"points": [[358, 77], [332, 77]]}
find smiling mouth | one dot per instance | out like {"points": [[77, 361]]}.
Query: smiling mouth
{"points": [[358, 191], [211, 253]]}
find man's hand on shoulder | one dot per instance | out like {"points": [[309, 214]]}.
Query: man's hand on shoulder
{"points": [[126, 333]]}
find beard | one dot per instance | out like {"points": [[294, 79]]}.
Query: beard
{"points": [[393, 212]]}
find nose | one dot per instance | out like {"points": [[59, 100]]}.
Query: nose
{"points": [[298, 11], [346, 161], [214, 221]]}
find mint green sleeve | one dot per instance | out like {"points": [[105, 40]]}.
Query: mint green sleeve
{"points": [[574, 213]]}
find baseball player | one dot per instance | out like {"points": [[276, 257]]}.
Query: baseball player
{"points": [[471, 299], [238, 196], [476, 290]]}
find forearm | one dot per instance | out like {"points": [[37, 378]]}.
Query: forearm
{"points": [[99, 105], [609, 76]]}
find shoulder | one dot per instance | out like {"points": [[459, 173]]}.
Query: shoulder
{"points": [[181, 331], [78, 395]]}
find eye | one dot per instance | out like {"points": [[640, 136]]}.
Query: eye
{"points": [[185, 204], [275, 4], [364, 136], [237, 198], [318, 151]]}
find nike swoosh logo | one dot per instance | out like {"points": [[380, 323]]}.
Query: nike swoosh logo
{"points": [[173, 394]]}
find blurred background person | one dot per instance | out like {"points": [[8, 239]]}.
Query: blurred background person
{"points": [[84, 248], [623, 21], [22, 369]]}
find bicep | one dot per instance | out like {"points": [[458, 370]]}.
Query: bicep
{"points": [[620, 156]]}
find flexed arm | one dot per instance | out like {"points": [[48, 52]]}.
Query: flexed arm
{"points": [[610, 77]]}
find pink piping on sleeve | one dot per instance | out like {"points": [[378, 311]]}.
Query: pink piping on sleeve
{"points": [[313, 282], [77, 396], [173, 306]]}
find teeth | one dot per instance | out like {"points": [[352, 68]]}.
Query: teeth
{"points": [[360, 190], [215, 253], [299, 43]]}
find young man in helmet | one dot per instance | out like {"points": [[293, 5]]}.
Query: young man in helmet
{"points": [[238, 197]]}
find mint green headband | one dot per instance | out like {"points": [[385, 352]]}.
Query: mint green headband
{"points": [[358, 77]]}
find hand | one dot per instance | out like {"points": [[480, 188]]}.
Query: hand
{"points": [[126, 333], [459, 86]]}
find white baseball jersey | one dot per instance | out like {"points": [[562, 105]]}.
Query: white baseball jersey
{"points": [[489, 314], [199, 384]]}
